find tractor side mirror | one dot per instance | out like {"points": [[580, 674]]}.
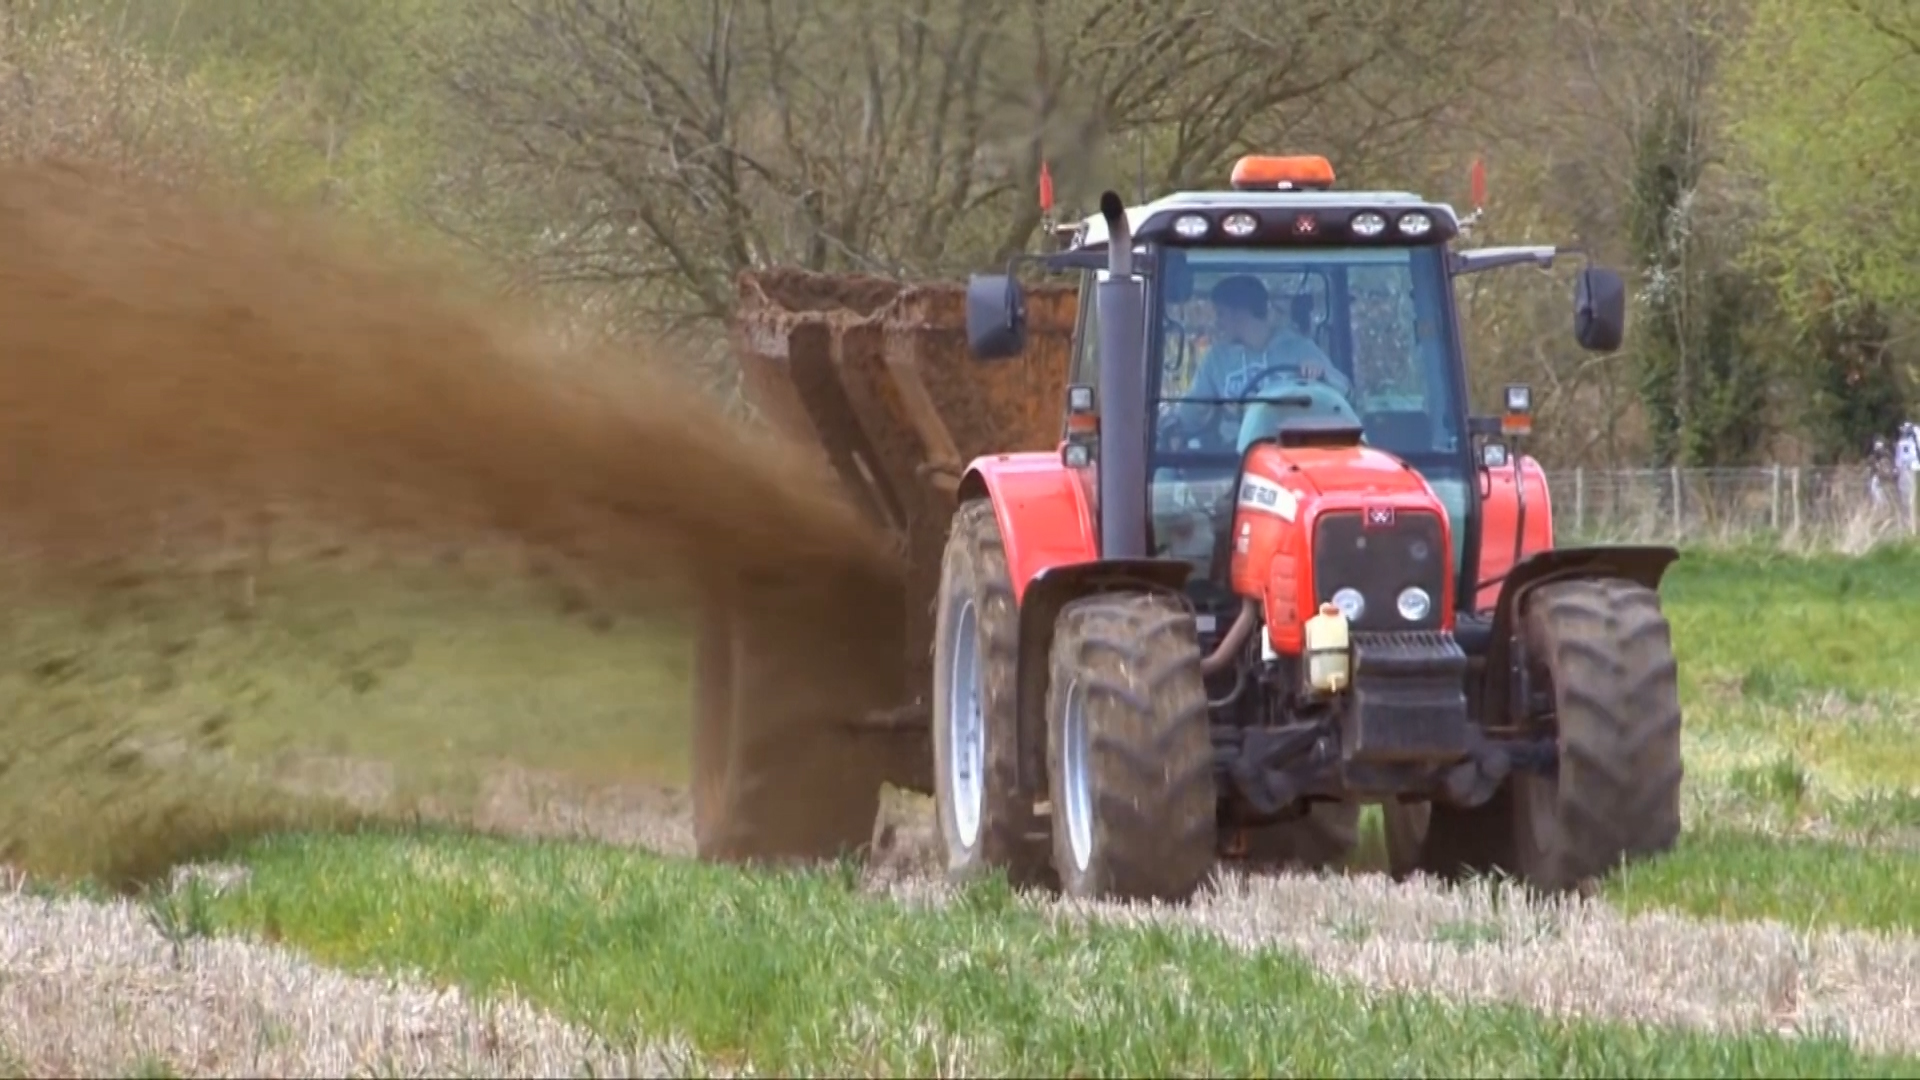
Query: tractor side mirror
{"points": [[996, 316], [1599, 309]]}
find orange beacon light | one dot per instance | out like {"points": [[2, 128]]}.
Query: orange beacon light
{"points": [[1261, 172]]}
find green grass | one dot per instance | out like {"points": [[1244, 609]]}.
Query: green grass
{"points": [[408, 664], [146, 725], [801, 974], [1730, 875], [1777, 628], [1803, 883]]}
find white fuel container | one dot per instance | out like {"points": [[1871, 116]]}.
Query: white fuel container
{"points": [[1329, 660]]}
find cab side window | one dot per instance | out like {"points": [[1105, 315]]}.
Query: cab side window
{"points": [[1390, 375], [1086, 336]]}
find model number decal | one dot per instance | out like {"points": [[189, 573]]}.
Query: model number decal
{"points": [[1268, 497]]}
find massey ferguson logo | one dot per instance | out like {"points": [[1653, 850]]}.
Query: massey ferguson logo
{"points": [[1380, 517]]}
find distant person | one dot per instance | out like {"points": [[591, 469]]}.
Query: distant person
{"points": [[1880, 472], [1906, 461]]}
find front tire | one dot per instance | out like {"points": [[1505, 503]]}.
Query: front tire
{"points": [[1130, 760], [986, 823], [1604, 652]]}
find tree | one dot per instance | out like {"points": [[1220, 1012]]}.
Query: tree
{"points": [[1829, 114], [1827, 111], [690, 139]]}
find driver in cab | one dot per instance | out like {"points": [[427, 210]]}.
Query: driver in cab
{"points": [[1248, 341], [1253, 356]]}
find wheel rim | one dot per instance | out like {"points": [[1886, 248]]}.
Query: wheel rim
{"points": [[1077, 805], [966, 729]]}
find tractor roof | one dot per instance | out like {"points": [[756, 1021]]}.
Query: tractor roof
{"points": [[1154, 220], [1291, 204]]}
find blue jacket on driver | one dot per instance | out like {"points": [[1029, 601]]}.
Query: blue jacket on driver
{"points": [[1246, 342]]}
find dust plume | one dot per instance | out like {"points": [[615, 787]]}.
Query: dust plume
{"points": [[160, 353], [154, 352]]}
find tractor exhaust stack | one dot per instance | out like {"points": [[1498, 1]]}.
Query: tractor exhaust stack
{"points": [[1121, 396]]}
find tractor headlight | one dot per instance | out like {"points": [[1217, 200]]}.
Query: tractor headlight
{"points": [[1191, 226], [1413, 603], [1415, 224], [1350, 603]]}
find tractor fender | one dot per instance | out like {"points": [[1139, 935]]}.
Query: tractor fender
{"points": [[1050, 590], [1042, 508], [1501, 519], [1644, 564], [1051, 538]]}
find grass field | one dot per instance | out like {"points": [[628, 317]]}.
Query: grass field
{"points": [[1781, 938]]}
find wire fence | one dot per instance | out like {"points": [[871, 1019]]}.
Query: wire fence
{"points": [[1801, 506]]}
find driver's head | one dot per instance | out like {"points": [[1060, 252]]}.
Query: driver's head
{"points": [[1240, 310]]}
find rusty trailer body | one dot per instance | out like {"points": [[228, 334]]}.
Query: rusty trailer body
{"points": [[874, 377], [877, 376]]}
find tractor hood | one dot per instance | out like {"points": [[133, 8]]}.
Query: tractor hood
{"points": [[1337, 471]]}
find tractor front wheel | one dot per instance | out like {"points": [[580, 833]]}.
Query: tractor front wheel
{"points": [[1603, 652], [1130, 760]]}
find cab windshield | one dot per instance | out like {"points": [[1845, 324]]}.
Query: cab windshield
{"points": [[1370, 324], [1249, 338]]}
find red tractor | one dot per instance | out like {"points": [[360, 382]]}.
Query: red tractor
{"points": [[1243, 597]]}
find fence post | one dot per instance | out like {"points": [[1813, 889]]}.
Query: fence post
{"points": [[1579, 501], [1793, 492], [1674, 474], [1773, 515]]}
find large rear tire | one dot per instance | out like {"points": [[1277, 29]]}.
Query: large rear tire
{"points": [[1130, 762], [1603, 651], [986, 822]]}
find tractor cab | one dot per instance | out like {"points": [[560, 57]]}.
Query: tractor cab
{"points": [[1282, 310], [1280, 304]]}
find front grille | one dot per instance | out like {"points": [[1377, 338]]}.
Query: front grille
{"points": [[1380, 562]]}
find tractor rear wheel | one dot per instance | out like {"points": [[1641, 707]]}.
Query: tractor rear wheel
{"points": [[986, 822], [1130, 760], [1603, 651]]}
